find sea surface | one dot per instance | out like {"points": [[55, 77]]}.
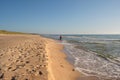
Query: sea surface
{"points": [[93, 55]]}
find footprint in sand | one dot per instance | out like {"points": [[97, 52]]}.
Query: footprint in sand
{"points": [[27, 62], [1, 54], [40, 73], [13, 78], [1, 75]]}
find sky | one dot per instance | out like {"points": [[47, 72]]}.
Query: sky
{"points": [[61, 16]]}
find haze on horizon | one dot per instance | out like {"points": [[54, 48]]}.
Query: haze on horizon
{"points": [[61, 16]]}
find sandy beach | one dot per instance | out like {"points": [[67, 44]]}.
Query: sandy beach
{"points": [[32, 57]]}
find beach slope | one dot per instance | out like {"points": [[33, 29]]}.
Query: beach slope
{"points": [[58, 67]]}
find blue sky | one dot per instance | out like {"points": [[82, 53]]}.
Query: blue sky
{"points": [[61, 16]]}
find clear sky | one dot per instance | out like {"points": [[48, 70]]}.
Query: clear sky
{"points": [[61, 16]]}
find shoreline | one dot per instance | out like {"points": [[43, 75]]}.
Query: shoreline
{"points": [[64, 69], [58, 67]]}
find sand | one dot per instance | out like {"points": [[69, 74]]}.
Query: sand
{"points": [[22, 57], [31, 57]]}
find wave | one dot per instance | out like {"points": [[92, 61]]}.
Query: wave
{"points": [[91, 64]]}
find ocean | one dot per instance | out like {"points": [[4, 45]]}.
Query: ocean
{"points": [[93, 55]]}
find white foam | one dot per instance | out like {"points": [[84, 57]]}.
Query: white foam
{"points": [[76, 60], [90, 64]]}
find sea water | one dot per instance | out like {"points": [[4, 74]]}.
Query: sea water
{"points": [[93, 55]]}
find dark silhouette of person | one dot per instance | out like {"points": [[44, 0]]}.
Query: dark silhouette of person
{"points": [[60, 37]]}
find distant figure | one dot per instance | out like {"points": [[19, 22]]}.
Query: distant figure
{"points": [[60, 37]]}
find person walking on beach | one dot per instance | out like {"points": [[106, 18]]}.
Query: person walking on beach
{"points": [[60, 37]]}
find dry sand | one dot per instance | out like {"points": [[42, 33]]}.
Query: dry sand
{"points": [[22, 57]]}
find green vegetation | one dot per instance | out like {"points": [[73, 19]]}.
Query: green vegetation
{"points": [[10, 32]]}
